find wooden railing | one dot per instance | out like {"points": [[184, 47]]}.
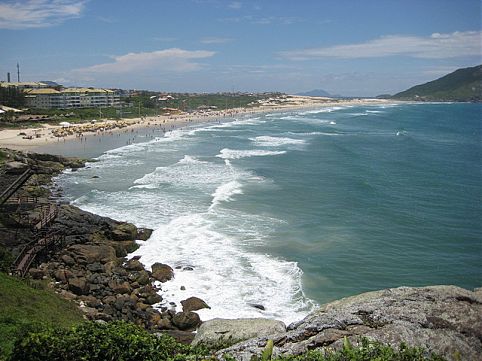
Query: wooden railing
{"points": [[31, 250], [20, 181], [21, 200], [48, 213]]}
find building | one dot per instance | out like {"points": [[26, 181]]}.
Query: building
{"points": [[24, 85], [70, 98], [47, 98]]}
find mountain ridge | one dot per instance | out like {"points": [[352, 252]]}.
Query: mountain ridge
{"points": [[462, 85], [319, 93]]}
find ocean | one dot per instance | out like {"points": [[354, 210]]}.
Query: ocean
{"points": [[289, 210]]}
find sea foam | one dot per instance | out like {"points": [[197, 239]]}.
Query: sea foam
{"points": [[227, 153], [213, 266], [269, 141]]}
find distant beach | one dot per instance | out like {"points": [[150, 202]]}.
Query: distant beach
{"points": [[108, 134]]}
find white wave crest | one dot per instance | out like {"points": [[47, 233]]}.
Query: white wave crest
{"points": [[268, 141], [191, 173], [322, 110], [227, 153], [190, 160], [225, 193]]}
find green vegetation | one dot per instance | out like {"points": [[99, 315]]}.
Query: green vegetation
{"points": [[99, 342], [23, 308], [461, 85], [189, 102]]}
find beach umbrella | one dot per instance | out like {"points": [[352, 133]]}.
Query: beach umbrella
{"points": [[64, 124]]}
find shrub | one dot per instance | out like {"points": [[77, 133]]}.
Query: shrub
{"points": [[99, 342]]}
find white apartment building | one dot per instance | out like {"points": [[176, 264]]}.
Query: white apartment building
{"points": [[69, 98]]}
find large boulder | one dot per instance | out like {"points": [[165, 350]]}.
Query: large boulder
{"points": [[79, 286], [446, 320], [90, 253], [221, 332], [193, 304], [186, 320], [134, 265], [162, 272], [124, 232]]}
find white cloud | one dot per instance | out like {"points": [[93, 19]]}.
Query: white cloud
{"points": [[436, 46], [236, 5], [162, 61], [215, 40], [38, 13]]}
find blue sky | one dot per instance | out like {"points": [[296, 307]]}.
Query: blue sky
{"points": [[349, 47]]}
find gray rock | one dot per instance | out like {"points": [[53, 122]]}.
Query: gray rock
{"points": [[69, 261], [63, 275], [193, 304], [90, 253], [443, 319], [134, 265], [162, 272], [186, 320], [95, 267], [142, 278], [36, 274], [221, 332], [79, 286], [153, 298]]}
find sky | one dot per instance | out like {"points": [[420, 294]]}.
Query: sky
{"points": [[347, 47]]}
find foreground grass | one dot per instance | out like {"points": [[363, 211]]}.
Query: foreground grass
{"points": [[23, 307]]}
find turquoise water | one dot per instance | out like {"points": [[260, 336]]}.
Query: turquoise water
{"points": [[294, 209]]}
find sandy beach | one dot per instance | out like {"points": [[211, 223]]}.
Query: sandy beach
{"points": [[55, 138]]}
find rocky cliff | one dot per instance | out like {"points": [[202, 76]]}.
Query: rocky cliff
{"points": [[446, 320]]}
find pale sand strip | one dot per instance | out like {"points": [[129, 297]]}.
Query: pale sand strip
{"points": [[35, 138]]}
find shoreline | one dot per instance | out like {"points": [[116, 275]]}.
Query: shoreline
{"points": [[49, 137]]}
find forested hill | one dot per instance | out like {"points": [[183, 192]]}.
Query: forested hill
{"points": [[461, 85]]}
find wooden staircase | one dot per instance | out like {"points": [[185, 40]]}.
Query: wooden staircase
{"points": [[45, 243], [15, 186], [44, 240]]}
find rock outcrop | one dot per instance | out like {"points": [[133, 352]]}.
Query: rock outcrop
{"points": [[221, 332], [446, 320], [193, 304]]}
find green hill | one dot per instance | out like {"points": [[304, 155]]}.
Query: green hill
{"points": [[22, 307], [461, 85]]}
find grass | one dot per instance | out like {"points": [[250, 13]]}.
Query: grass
{"points": [[22, 307]]}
